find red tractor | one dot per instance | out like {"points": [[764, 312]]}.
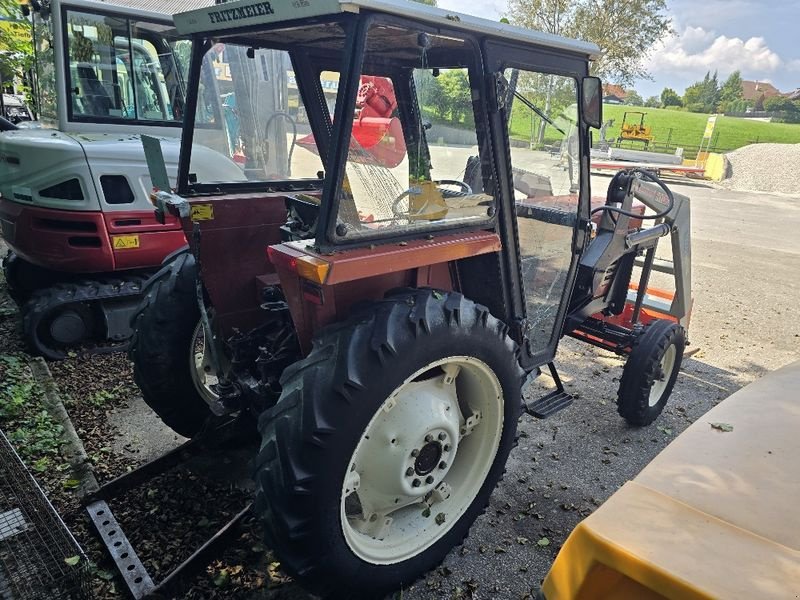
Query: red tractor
{"points": [[379, 318]]}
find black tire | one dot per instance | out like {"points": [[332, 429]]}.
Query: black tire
{"points": [[328, 400], [160, 347], [643, 368]]}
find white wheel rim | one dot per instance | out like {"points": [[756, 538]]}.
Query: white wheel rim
{"points": [[442, 431], [203, 373], [660, 383]]}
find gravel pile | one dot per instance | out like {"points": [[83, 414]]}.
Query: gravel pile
{"points": [[765, 168]]}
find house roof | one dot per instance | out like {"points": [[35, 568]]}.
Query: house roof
{"points": [[612, 89], [753, 90]]}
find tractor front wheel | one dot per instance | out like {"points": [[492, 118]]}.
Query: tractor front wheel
{"points": [[387, 442], [170, 361], [650, 372]]}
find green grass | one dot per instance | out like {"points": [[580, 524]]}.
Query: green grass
{"points": [[681, 128], [30, 428]]}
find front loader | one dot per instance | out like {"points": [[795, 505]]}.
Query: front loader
{"points": [[378, 318]]}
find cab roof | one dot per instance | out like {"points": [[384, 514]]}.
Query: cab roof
{"points": [[243, 13]]}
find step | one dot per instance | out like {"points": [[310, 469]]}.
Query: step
{"points": [[549, 404]]}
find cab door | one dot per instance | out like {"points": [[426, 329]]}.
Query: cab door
{"points": [[547, 173]]}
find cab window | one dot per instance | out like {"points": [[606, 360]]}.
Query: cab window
{"points": [[121, 69], [415, 162]]}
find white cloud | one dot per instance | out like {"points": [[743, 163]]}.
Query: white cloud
{"points": [[696, 50]]}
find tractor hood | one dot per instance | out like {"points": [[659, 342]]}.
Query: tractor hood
{"points": [[67, 171]]}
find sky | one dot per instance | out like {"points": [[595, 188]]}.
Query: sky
{"points": [[757, 37]]}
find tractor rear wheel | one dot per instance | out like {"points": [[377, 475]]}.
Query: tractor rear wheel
{"points": [[167, 348], [650, 371], [387, 442]]}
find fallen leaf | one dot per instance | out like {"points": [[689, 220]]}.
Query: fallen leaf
{"points": [[543, 542], [440, 518], [522, 540], [72, 560], [722, 426], [221, 580]]}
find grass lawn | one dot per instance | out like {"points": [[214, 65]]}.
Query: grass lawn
{"points": [[686, 128]]}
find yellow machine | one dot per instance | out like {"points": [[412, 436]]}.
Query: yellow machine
{"points": [[633, 131], [715, 515]]}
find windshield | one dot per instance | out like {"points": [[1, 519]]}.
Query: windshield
{"points": [[415, 159], [123, 70], [264, 124]]}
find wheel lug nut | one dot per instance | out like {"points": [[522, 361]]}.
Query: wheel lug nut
{"points": [[442, 436], [429, 479], [409, 471], [447, 447], [429, 438], [442, 465], [416, 483], [415, 453]]}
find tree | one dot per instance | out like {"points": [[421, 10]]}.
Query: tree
{"points": [[779, 104], [703, 96], [428, 2], [633, 98], [625, 30], [653, 102], [731, 91], [670, 97], [16, 50]]}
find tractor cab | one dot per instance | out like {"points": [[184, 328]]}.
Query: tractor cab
{"points": [[412, 234], [388, 135]]}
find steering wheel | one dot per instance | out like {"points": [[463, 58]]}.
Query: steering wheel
{"points": [[465, 188]]}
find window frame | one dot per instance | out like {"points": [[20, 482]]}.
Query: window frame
{"points": [[72, 116], [313, 101], [327, 239]]}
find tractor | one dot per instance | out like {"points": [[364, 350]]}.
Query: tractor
{"points": [[377, 314]]}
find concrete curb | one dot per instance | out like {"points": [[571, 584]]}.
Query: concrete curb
{"points": [[72, 449]]}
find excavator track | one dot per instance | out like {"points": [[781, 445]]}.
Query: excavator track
{"points": [[78, 312]]}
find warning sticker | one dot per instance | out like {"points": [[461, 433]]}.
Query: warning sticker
{"points": [[202, 212], [125, 242]]}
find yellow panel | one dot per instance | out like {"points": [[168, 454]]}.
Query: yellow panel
{"points": [[125, 242], [202, 212]]}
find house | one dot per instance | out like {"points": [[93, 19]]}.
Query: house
{"points": [[753, 90], [614, 94]]}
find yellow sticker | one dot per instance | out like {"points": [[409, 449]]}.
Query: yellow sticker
{"points": [[125, 242], [202, 212]]}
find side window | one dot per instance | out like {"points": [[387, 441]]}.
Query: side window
{"points": [[263, 128], [544, 135], [122, 69], [95, 81], [415, 167]]}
